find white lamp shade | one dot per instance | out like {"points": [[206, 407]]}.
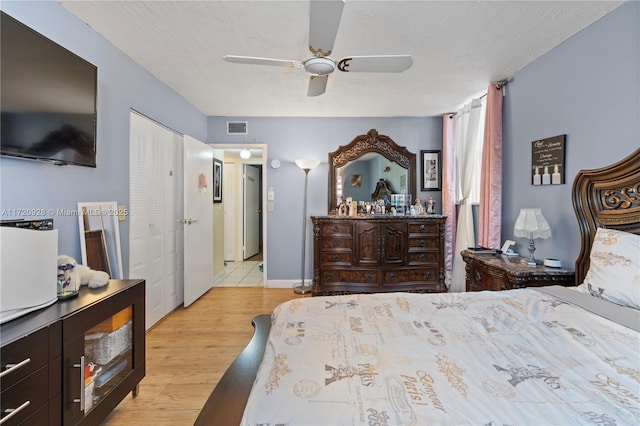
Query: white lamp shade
{"points": [[307, 163], [531, 224]]}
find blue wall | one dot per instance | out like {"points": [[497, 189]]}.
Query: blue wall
{"points": [[589, 89], [122, 85], [288, 139]]}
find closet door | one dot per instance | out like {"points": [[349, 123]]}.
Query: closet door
{"points": [[154, 232]]}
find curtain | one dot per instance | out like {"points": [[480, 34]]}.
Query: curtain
{"points": [[490, 212], [468, 130], [448, 194]]}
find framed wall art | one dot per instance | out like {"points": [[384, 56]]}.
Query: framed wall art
{"points": [[431, 168], [547, 161], [217, 181]]}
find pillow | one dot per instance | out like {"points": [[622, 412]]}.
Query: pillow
{"points": [[614, 270]]}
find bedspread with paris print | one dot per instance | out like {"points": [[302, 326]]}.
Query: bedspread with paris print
{"points": [[500, 358]]}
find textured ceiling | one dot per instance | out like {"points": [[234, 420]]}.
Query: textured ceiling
{"points": [[458, 47]]}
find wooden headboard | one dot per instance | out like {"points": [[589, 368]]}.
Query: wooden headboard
{"points": [[608, 197]]}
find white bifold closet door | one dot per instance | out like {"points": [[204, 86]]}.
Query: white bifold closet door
{"points": [[155, 210]]}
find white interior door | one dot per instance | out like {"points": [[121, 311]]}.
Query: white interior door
{"points": [[251, 211], [197, 219]]}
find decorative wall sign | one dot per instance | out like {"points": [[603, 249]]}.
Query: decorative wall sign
{"points": [[431, 170], [217, 181], [547, 161]]}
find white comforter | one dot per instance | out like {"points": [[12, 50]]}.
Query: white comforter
{"points": [[511, 357]]}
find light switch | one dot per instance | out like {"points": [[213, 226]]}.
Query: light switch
{"points": [[269, 206], [122, 213], [271, 195]]}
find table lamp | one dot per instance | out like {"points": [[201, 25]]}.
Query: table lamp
{"points": [[531, 224]]}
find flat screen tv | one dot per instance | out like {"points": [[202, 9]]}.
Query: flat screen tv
{"points": [[47, 97]]}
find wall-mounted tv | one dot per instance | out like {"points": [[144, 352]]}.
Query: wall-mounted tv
{"points": [[47, 99]]}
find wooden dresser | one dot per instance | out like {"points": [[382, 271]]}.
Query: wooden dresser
{"points": [[500, 272], [373, 254], [46, 357]]}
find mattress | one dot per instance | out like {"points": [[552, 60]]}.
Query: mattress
{"points": [[523, 356]]}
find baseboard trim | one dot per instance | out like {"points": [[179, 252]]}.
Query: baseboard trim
{"points": [[283, 283]]}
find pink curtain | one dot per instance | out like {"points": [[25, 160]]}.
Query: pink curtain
{"points": [[490, 213], [448, 194]]}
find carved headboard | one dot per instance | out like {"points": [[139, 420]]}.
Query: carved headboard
{"points": [[608, 197]]}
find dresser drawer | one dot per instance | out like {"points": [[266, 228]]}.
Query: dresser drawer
{"points": [[336, 229], [335, 243], [423, 257], [328, 258], [23, 357], [481, 279], [432, 228], [32, 392], [423, 242], [351, 276], [413, 275]]}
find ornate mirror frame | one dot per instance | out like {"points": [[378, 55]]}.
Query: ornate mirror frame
{"points": [[370, 142]]}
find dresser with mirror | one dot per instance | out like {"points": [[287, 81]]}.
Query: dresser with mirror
{"points": [[379, 251]]}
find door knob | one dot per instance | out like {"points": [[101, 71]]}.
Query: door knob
{"points": [[188, 221]]}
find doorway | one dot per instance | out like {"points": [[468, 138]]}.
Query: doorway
{"points": [[244, 195]]}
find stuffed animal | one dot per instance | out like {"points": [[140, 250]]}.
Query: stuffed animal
{"points": [[73, 275]]}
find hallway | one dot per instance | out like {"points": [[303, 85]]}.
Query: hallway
{"points": [[241, 274]]}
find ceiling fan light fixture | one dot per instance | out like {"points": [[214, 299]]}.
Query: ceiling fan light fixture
{"points": [[245, 154], [319, 66]]}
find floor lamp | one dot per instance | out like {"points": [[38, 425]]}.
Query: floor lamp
{"points": [[306, 165]]}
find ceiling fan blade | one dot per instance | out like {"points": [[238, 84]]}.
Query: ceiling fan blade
{"points": [[317, 85], [324, 20], [382, 63], [262, 61]]}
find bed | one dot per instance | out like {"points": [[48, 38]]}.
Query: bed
{"points": [[549, 355]]}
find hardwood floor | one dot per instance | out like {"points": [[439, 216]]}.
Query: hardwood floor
{"points": [[187, 353]]}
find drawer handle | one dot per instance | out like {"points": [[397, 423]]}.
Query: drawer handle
{"points": [[422, 256], [330, 276], [335, 258], [478, 276], [421, 228], [429, 275], [421, 243], [81, 399], [336, 243], [10, 412], [392, 276], [11, 367], [369, 276], [335, 229]]}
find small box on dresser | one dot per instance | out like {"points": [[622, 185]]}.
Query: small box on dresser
{"points": [[500, 272]]}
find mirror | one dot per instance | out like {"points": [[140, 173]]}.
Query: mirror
{"points": [[355, 169], [100, 237]]}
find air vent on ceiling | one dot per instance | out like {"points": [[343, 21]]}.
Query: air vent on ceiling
{"points": [[237, 127]]}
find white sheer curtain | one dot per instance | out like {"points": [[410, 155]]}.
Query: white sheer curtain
{"points": [[468, 130]]}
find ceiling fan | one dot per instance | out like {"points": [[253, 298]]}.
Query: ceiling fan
{"points": [[323, 27]]}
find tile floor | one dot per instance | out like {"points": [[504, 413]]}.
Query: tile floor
{"points": [[241, 274]]}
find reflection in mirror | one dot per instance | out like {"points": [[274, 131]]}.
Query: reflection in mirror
{"points": [[356, 169], [360, 177], [100, 237]]}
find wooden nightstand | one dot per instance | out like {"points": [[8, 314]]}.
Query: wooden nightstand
{"points": [[501, 272]]}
